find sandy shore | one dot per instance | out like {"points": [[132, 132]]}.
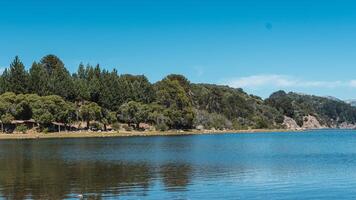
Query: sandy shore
{"points": [[84, 134]]}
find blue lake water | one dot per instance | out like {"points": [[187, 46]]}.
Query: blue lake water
{"points": [[305, 165]]}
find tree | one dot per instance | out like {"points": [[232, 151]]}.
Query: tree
{"points": [[109, 90], [7, 100], [61, 84], [134, 113], [94, 86], [108, 117], [81, 84], [183, 81], [22, 109], [6, 119], [60, 81], [17, 77], [90, 111], [5, 81], [136, 88], [43, 110], [177, 102], [38, 80], [50, 63]]}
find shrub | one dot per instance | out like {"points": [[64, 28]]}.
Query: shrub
{"points": [[261, 123], [96, 126], [116, 126], [162, 127], [127, 127], [45, 130], [21, 128]]}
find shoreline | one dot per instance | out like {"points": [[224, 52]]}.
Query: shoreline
{"points": [[86, 134]]}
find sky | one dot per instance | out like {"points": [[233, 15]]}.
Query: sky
{"points": [[258, 45]]}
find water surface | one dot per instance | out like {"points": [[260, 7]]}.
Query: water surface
{"points": [[306, 165]]}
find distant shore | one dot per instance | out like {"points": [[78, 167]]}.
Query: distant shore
{"points": [[86, 134]]}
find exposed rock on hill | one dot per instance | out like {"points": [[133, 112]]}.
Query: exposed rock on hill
{"points": [[311, 111], [345, 125], [311, 122], [289, 123]]}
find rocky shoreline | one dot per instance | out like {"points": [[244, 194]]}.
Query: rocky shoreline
{"points": [[311, 122]]}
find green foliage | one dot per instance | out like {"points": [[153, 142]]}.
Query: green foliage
{"points": [[327, 111], [44, 110], [127, 127], [96, 126], [50, 63], [135, 88], [45, 130], [38, 80], [90, 111], [21, 128], [161, 127], [7, 118], [238, 107], [49, 93], [261, 123], [173, 94], [211, 120], [108, 117], [17, 77], [133, 113], [116, 126]]}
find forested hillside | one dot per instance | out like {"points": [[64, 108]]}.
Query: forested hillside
{"points": [[47, 92], [329, 112]]}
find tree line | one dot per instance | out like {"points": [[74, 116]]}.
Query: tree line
{"points": [[47, 92]]}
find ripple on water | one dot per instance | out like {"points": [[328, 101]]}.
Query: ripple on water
{"points": [[316, 165]]}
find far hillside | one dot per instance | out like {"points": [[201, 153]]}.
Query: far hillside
{"points": [[329, 112]]}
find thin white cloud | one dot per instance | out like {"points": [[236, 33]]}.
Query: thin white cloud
{"points": [[283, 81], [352, 83]]}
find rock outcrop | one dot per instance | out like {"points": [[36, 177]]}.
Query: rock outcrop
{"points": [[311, 122], [290, 123], [345, 125]]}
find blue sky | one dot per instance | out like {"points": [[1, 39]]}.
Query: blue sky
{"points": [[261, 46]]}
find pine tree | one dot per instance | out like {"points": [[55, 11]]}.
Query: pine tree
{"points": [[51, 62], [61, 84], [18, 77], [60, 81], [81, 84], [38, 80], [82, 73]]}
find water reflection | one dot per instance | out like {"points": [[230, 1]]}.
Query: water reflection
{"points": [[176, 176], [30, 171], [56, 179], [251, 166]]}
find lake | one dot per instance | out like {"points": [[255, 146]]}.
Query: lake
{"points": [[303, 165]]}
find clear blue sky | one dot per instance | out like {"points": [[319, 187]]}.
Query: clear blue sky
{"points": [[305, 46]]}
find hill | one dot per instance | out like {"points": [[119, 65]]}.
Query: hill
{"points": [[328, 112], [47, 94]]}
